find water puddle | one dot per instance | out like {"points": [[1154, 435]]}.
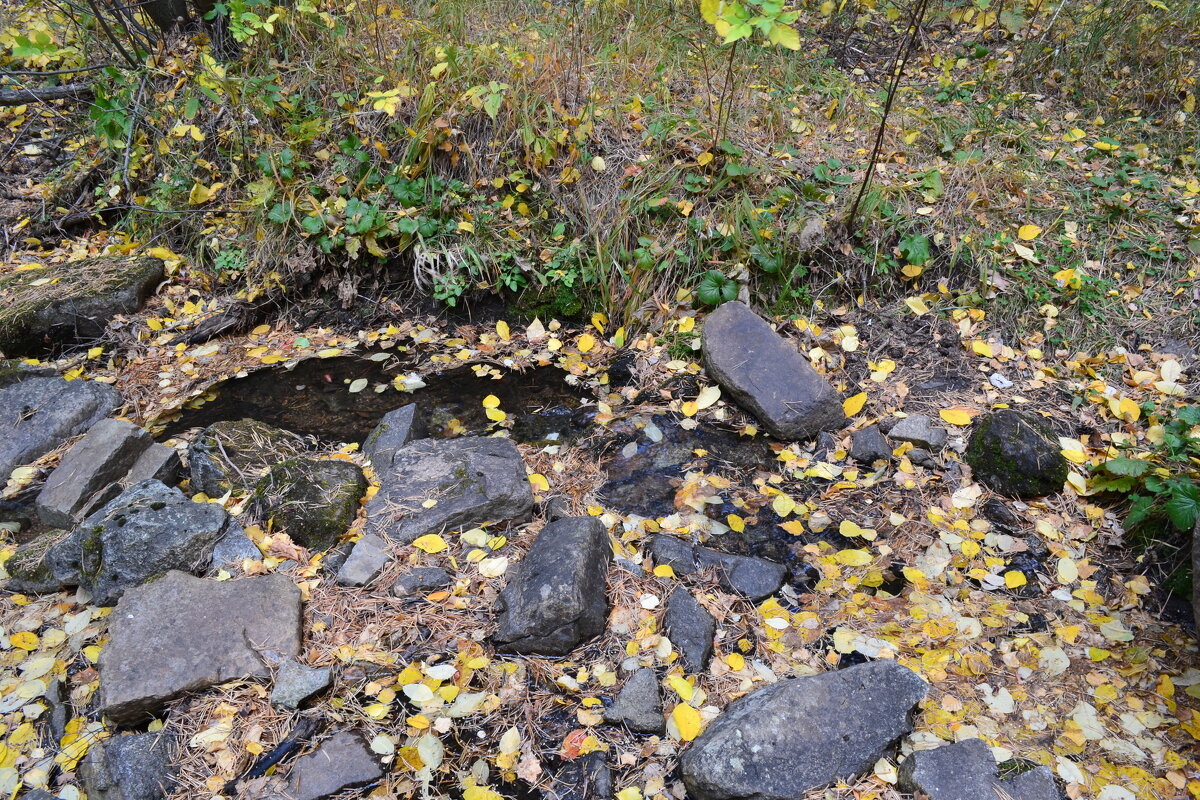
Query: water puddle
{"points": [[342, 399]]}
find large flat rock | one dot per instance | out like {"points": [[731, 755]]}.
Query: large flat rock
{"points": [[39, 414], [182, 634], [432, 485], [966, 770], [89, 472], [556, 599], [802, 733], [756, 578], [341, 762], [767, 376]]}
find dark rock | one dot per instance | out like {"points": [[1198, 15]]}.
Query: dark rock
{"points": [[233, 548], [585, 778], [30, 571], [966, 771], [366, 560], [145, 531], [556, 507], [827, 445], [157, 462], [1016, 455], [342, 761], [233, 455], [473, 480], [556, 599], [14, 371], [922, 458], [60, 710], [690, 628], [869, 445], [75, 308], [398, 428], [88, 473], [182, 634], [295, 683], [39, 414], [755, 578], [765, 374], [802, 733], [314, 500], [639, 704], [999, 514], [38, 794], [920, 431], [421, 580], [133, 766], [621, 369]]}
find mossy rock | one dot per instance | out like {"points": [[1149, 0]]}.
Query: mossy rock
{"points": [[313, 500], [41, 309], [234, 454], [30, 571], [1016, 455], [552, 302], [13, 371]]}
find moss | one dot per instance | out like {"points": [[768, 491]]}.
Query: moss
{"points": [[234, 454], [1016, 454], [314, 500], [556, 302]]}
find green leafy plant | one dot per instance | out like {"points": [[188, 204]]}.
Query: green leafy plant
{"points": [[715, 289]]}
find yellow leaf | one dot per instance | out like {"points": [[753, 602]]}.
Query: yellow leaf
{"points": [[664, 571], [586, 342], [491, 401], [982, 349], [598, 164], [957, 416], [736, 523], [430, 543], [689, 408], [783, 505], [708, 396], [1029, 232], [502, 330], [917, 305], [704, 158], [201, 194], [681, 686], [495, 414], [466, 227], [735, 661], [687, 720], [25, 640], [630, 793], [1129, 410], [1014, 579], [853, 405], [687, 324], [538, 481], [853, 558]]}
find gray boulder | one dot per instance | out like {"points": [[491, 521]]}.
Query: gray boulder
{"points": [[398, 428], [690, 628], [14, 371], [756, 578], [802, 734], [470, 480], [88, 473], [39, 414], [966, 771], [145, 531], [342, 761], [157, 462], [183, 634], [295, 683], [77, 306], [556, 599], [585, 778], [133, 766], [766, 375], [232, 455], [314, 500], [421, 580], [30, 571], [920, 431], [869, 445], [1016, 455], [365, 562], [639, 704]]}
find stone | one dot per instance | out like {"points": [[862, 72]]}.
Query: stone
{"points": [[398, 428], [38, 794], [14, 371], [145, 531], [233, 548], [295, 683], [90, 470], [966, 770], [234, 454], [60, 710], [132, 766], [767, 376], [77, 307], [313, 500], [869, 445], [800, 734], [421, 581], [585, 778], [556, 598], [183, 634], [39, 414], [473, 480], [920, 431], [31, 573], [639, 704], [343, 761], [690, 628], [366, 561], [922, 458], [157, 462], [1016, 455], [756, 578]]}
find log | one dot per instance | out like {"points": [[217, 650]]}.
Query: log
{"points": [[68, 91]]}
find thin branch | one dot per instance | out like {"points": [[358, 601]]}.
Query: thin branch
{"points": [[15, 73], [72, 91]]}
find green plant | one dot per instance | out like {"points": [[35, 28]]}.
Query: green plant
{"points": [[715, 289]]}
